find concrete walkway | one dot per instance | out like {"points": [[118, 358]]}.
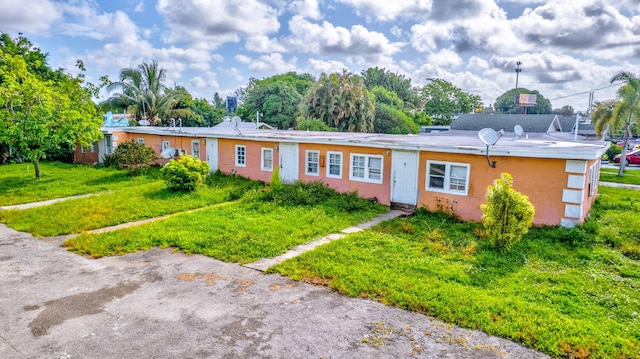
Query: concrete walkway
{"points": [[265, 263], [620, 185], [48, 202]]}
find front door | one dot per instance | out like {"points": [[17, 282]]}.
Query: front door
{"points": [[404, 177], [212, 153], [289, 162]]}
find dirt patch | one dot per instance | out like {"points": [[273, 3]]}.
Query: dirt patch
{"points": [[60, 310], [278, 287], [208, 278], [244, 285]]}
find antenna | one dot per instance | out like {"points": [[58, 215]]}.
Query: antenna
{"points": [[517, 129], [489, 137]]}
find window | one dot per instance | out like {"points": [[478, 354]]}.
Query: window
{"points": [[195, 148], [83, 149], [366, 168], [593, 179], [109, 144], [447, 177], [267, 159], [94, 147], [241, 156], [313, 163], [334, 169], [165, 145], [140, 140]]}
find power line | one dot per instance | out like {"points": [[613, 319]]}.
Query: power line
{"points": [[583, 93]]}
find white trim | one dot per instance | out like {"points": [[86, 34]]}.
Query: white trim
{"points": [[328, 164], [166, 144], [262, 158], [446, 185], [307, 163], [569, 223], [572, 211], [240, 161], [573, 166], [575, 181], [366, 168], [573, 196]]}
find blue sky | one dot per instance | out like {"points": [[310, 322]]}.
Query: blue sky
{"points": [[566, 47]]}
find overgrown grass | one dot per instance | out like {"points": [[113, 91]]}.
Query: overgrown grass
{"points": [[149, 198], [558, 291], [611, 175], [241, 232], [19, 185]]}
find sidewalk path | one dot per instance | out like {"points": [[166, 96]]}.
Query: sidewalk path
{"points": [[48, 202], [265, 263], [620, 185]]}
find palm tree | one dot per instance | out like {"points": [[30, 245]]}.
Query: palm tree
{"points": [[142, 91], [624, 113]]}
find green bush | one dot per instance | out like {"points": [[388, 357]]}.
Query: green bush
{"points": [[613, 151], [132, 156], [184, 174], [507, 215]]}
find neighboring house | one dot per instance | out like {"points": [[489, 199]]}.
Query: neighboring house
{"points": [[530, 123], [445, 170]]}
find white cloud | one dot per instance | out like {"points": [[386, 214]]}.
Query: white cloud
{"points": [[476, 63], [396, 31], [273, 64], [262, 43], [242, 59], [217, 21], [205, 80], [139, 7], [31, 16], [446, 58], [390, 10], [319, 66], [306, 8]]}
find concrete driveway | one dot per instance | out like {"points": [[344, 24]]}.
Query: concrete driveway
{"points": [[161, 304]]}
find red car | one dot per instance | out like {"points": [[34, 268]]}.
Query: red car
{"points": [[632, 158]]}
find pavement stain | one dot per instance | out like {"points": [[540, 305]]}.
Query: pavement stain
{"points": [[59, 310], [209, 278]]}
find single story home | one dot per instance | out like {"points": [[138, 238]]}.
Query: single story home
{"points": [[442, 170]]}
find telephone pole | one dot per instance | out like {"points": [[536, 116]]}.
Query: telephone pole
{"points": [[518, 71]]}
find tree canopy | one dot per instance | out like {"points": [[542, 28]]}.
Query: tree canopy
{"points": [[505, 102], [38, 114], [443, 101]]}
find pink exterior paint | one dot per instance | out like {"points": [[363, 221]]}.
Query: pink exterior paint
{"points": [[380, 191], [253, 155]]}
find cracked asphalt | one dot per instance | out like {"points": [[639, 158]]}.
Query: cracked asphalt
{"points": [[164, 304]]}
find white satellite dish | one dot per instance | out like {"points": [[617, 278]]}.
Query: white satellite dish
{"points": [[488, 136], [236, 119], [518, 130], [168, 152], [144, 123]]}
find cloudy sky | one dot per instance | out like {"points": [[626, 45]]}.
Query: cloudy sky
{"points": [[567, 48]]}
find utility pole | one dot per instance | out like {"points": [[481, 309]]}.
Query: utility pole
{"points": [[518, 71]]}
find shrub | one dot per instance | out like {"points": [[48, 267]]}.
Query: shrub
{"points": [[184, 174], [133, 156], [613, 151], [507, 215]]}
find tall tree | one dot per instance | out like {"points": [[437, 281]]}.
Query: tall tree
{"points": [[141, 91], [377, 77], [625, 112], [218, 101], [342, 101], [38, 115], [505, 102], [443, 101]]}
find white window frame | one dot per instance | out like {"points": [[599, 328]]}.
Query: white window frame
{"points": [[166, 144], [193, 154], [141, 140], [307, 163], [83, 149], [447, 178], [94, 147], [263, 167], [329, 164], [367, 169], [241, 159]]}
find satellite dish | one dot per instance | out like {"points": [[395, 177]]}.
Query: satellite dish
{"points": [[144, 123], [488, 136], [518, 130], [168, 152], [236, 119]]}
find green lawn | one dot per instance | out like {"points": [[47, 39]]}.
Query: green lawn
{"points": [[611, 175], [568, 293], [148, 198], [242, 232], [19, 185]]}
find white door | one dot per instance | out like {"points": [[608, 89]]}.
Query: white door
{"points": [[288, 162], [404, 177], [212, 153]]}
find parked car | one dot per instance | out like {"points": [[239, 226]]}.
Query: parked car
{"points": [[632, 158], [632, 145]]}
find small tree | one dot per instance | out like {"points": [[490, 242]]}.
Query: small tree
{"points": [[133, 156], [507, 215], [185, 174]]}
